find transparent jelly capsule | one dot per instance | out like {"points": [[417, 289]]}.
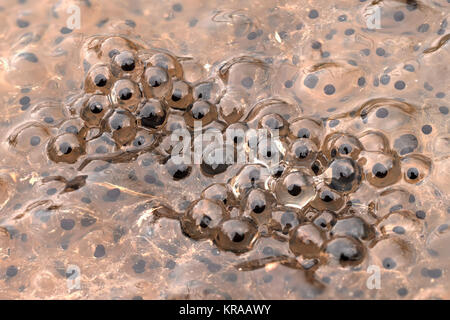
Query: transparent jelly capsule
{"points": [[415, 168], [393, 253], [306, 240], [219, 192], [143, 140], [200, 111], [126, 94], [342, 145], [216, 159], [202, 218], [177, 168], [275, 124], [75, 126], [157, 83], [122, 125], [374, 141], [111, 46], [328, 199], [400, 223], [302, 152], [126, 65], [167, 62], [103, 144], [94, 110], [209, 91], [99, 79], [270, 151], [181, 95], [353, 227], [325, 220], [249, 177], [151, 114], [284, 219], [343, 175], [258, 205], [306, 128], [381, 169], [65, 148], [393, 199], [236, 235], [295, 188], [29, 137], [347, 251]]}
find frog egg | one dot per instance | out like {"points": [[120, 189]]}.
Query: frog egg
{"points": [[143, 140], [325, 220], [156, 83], [122, 125], [306, 128], [302, 152], [393, 253], [232, 106], [269, 110], [249, 177], [342, 145], [75, 126], [219, 192], [270, 152], [126, 65], [258, 205], [216, 159], [236, 235], [200, 111], [94, 110], [175, 123], [65, 148], [126, 94], [374, 141], [167, 62], [328, 199], [202, 218], [393, 199], [111, 46], [284, 219], [306, 240], [415, 168], [49, 112], [177, 168], [346, 251], [181, 96], [151, 114], [208, 91], [353, 227], [99, 79], [275, 124], [343, 175], [401, 223], [381, 169], [295, 189], [103, 144], [29, 138]]}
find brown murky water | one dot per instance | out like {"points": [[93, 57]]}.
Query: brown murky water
{"points": [[92, 205]]}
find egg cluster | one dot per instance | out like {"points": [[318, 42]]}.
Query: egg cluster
{"points": [[304, 200], [134, 98]]}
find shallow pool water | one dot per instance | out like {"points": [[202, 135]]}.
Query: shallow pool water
{"points": [[351, 202]]}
